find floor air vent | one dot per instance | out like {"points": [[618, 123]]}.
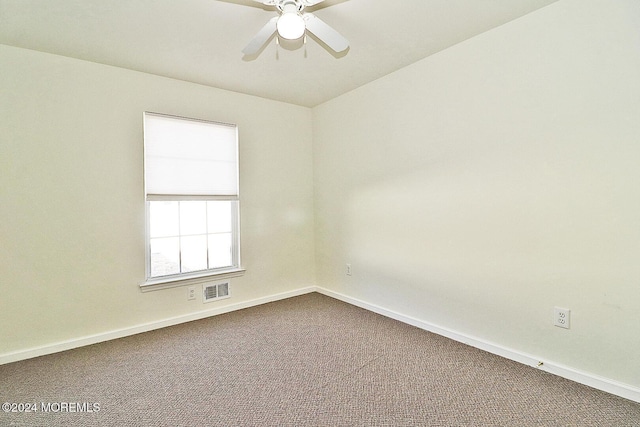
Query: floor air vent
{"points": [[216, 292]]}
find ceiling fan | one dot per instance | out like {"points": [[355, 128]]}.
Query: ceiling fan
{"points": [[292, 23]]}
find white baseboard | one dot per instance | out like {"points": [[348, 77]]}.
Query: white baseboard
{"points": [[604, 384], [597, 382], [146, 327]]}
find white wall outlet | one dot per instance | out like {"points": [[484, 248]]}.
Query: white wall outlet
{"points": [[191, 293], [562, 317], [349, 270]]}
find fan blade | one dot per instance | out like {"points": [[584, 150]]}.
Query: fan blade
{"points": [[308, 3], [261, 38], [268, 2], [325, 33]]}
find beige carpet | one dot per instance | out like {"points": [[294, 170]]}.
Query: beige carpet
{"points": [[305, 361]]}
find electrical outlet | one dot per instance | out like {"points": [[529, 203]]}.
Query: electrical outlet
{"points": [[191, 293], [561, 317], [348, 269]]}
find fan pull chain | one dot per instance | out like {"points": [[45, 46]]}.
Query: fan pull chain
{"points": [[277, 48], [305, 44]]}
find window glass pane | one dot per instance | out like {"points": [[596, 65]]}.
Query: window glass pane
{"points": [[165, 256], [219, 216], [193, 218], [220, 250], [194, 253], [163, 219]]}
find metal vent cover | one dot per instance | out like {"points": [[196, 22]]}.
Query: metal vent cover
{"points": [[223, 290], [216, 291]]}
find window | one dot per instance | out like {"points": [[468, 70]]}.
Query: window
{"points": [[191, 190]]}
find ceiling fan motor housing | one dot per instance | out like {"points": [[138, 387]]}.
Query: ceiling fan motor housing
{"points": [[289, 6]]}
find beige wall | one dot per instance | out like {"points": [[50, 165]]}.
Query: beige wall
{"points": [[72, 200], [482, 186], [475, 190]]}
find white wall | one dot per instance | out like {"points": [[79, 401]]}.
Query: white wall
{"points": [[482, 186], [475, 190], [72, 198]]}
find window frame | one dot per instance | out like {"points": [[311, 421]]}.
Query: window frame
{"points": [[201, 276]]}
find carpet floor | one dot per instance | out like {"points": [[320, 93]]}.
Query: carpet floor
{"points": [[305, 361]]}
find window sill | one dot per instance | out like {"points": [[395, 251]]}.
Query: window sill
{"points": [[174, 282]]}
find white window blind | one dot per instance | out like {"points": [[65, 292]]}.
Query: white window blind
{"points": [[188, 158]]}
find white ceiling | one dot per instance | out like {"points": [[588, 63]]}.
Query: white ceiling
{"points": [[201, 40]]}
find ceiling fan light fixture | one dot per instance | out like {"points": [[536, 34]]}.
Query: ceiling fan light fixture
{"points": [[290, 26], [292, 23]]}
